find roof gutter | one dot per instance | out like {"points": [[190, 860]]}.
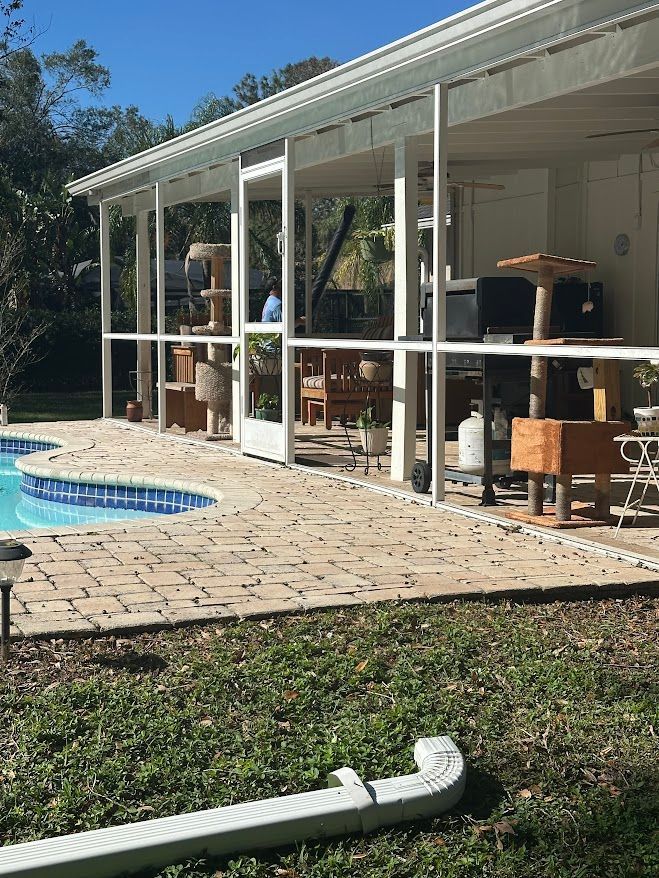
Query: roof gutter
{"points": [[347, 806]]}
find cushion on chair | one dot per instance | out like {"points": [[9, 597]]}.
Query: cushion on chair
{"points": [[317, 382]]}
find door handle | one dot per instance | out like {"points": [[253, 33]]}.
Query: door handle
{"points": [[280, 242]]}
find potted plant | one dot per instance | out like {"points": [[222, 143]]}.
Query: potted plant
{"points": [[376, 366], [647, 417], [376, 245], [373, 434], [267, 408], [264, 351]]}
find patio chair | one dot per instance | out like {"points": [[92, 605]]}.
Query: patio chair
{"points": [[333, 380]]}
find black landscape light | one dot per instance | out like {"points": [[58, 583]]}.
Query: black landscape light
{"points": [[12, 561]]}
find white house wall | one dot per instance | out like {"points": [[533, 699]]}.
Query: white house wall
{"points": [[504, 223], [578, 214]]}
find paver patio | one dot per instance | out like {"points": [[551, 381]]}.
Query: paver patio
{"points": [[279, 541]]}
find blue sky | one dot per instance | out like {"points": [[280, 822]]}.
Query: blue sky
{"points": [[166, 54]]}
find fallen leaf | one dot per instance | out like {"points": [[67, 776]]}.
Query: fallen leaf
{"points": [[504, 827], [524, 794], [291, 695], [361, 666]]}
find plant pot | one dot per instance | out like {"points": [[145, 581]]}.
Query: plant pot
{"points": [[134, 411], [647, 418], [374, 440], [265, 365], [376, 370], [375, 250], [268, 415]]}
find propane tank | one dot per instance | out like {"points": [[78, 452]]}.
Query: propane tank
{"points": [[471, 449]]}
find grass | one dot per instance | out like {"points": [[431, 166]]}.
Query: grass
{"points": [[81, 405], [554, 706]]}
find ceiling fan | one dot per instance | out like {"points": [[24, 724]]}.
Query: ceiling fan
{"points": [[426, 180], [653, 144]]}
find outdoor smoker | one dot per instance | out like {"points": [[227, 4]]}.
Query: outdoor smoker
{"points": [[499, 310]]}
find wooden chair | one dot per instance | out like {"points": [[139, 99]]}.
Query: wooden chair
{"points": [[332, 379]]}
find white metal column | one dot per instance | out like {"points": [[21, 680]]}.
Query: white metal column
{"points": [[440, 203], [106, 309], [308, 259], [406, 307], [243, 250], [236, 411], [160, 292], [143, 272], [288, 302]]}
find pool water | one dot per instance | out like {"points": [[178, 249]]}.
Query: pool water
{"points": [[18, 511]]}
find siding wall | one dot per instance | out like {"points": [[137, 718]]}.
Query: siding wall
{"points": [[578, 212]]}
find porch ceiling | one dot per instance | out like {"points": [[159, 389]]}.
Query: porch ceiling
{"points": [[552, 133]]}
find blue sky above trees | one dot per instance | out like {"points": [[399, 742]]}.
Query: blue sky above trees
{"points": [[164, 55]]}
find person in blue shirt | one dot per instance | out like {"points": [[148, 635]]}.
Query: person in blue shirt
{"points": [[272, 308]]}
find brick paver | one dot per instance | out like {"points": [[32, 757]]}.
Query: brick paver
{"points": [[279, 541]]}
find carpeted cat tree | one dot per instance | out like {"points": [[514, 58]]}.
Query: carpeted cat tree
{"points": [[213, 378]]}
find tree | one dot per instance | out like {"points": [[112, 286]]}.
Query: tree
{"points": [[252, 89], [14, 32], [19, 336], [46, 96]]}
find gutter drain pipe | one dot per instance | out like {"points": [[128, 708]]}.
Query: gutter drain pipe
{"points": [[347, 806]]}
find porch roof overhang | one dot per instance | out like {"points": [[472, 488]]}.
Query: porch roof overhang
{"points": [[575, 47]]}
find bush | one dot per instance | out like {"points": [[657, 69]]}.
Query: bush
{"points": [[72, 351]]}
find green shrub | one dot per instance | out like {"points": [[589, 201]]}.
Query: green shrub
{"points": [[71, 349]]}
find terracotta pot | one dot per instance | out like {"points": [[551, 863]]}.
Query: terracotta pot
{"points": [[376, 370], [134, 410]]}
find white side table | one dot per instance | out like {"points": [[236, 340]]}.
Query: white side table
{"points": [[642, 452]]}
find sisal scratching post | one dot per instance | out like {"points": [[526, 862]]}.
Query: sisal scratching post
{"points": [[547, 267], [538, 398]]}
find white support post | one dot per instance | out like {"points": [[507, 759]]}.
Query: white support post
{"points": [[308, 260], [406, 307], [288, 302], [244, 258], [236, 410], [106, 309], [160, 292], [440, 204], [143, 272]]}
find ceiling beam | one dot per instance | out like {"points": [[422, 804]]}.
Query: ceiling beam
{"points": [[619, 54]]}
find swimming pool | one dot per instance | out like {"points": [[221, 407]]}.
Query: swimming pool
{"points": [[20, 511], [36, 494]]}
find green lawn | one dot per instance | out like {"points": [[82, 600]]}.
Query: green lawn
{"points": [[75, 406], [554, 706]]}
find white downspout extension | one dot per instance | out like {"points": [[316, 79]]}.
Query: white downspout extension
{"points": [[347, 806]]}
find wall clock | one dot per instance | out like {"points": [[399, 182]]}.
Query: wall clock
{"points": [[621, 245]]}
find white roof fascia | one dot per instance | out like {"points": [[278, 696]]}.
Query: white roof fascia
{"points": [[466, 43], [618, 54]]}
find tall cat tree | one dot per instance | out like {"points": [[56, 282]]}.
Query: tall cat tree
{"points": [[561, 448], [213, 378]]}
